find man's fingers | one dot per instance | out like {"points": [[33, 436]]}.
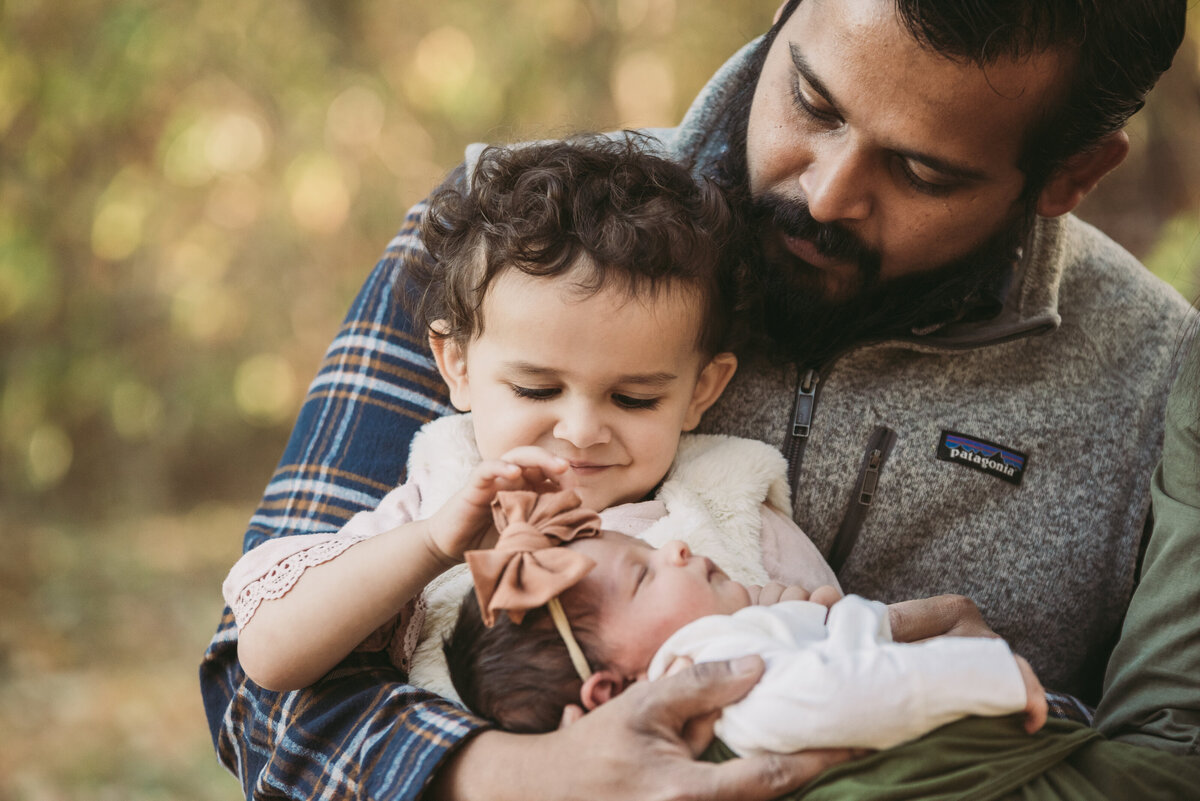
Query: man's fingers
{"points": [[1036, 706], [699, 732], [677, 664], [770, 776], [1036, 713], [914, 620], [699, 690], [923, 618]]}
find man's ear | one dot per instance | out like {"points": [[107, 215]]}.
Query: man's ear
{"points": [[712, 382], [600, 688], [1071, 182], [451, 358]]}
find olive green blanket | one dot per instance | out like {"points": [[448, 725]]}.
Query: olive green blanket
{"points": [[993, 759]]}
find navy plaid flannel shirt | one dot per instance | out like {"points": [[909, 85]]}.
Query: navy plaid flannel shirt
{"points": [[361, 732]]}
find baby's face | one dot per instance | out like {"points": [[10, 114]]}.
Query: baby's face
{"points": [[604, 381], [645, 594]]}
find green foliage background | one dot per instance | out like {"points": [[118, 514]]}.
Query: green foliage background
{"points": [[190, 193]]}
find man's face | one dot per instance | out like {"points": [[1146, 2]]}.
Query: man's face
{"points": [[871, 159]]}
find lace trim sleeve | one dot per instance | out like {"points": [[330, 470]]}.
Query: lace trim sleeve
{"points": [[280, 579]]}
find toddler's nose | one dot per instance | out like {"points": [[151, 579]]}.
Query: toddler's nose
{"points": [[582, 426]]}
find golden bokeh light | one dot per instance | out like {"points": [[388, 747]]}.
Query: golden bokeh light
{"points": [[50, 453], [356, 117], [137, 410], [265, 388], [208, 312], [445, 58], [319, 193], [234, 202], [234, 142], [643, 88]]}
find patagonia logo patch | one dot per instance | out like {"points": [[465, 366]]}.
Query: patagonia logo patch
{"points": [[979, 454]]}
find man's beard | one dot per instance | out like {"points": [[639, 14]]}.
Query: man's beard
{"points": [[797, 319], [801, 322]]}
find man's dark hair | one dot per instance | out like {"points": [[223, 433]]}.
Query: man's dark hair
{"points": [[1116, 50], [607, 204], [520, 676]]}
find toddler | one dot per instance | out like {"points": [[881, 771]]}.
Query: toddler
{"points": [[626, 611], [580, 307]]}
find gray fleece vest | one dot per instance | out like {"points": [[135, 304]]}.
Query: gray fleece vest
{"points": [[1007, 460]]}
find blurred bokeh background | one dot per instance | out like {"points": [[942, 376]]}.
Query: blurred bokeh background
{"points": [[190, 193]]}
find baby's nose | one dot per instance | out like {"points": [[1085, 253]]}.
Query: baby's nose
{"points": [[677, 552]]}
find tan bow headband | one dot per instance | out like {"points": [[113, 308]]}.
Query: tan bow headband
{"points": [[526, 569]]}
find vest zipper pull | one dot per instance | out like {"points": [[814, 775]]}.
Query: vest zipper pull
{"points": [[805, 398], [870, 478]]}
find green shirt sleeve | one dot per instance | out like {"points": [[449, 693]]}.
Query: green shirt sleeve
{"points": [[1152, 687]]}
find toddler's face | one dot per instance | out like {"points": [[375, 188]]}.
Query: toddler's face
{"points": [[646, 594], [605, 381]]}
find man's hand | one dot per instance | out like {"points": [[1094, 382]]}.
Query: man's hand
{"points": [[958, 616], [941, 615], [1036, 708], [640, 745]]}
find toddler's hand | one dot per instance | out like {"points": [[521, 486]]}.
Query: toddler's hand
{"points": [[1036, 707], [464, 523]]}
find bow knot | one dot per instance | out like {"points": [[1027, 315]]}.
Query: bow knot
{"points": [[526, 568]]}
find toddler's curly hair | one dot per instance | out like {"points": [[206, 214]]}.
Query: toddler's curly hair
{"points": [[607, 210]]}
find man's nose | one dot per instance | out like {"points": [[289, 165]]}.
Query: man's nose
{"points": [[583, 426], [837, 182]]}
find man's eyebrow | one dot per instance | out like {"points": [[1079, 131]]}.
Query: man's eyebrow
{"points": [[806, 72], [958, 172]]}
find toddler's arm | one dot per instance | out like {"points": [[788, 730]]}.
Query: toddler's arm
{"points": [[302, 613]]}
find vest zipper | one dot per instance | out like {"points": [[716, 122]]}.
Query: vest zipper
{"points": [[879, 447], [806, 402]]}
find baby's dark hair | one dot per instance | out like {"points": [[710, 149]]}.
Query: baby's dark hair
{"points": [[520, 676], [609, 204]]}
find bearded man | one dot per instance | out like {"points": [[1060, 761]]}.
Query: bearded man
{"points": [[967, 381]]}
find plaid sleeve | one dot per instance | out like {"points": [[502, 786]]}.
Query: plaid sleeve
{"points": [[361, 732]]}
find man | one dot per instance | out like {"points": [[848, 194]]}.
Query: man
{"points": [[969, 387]]}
